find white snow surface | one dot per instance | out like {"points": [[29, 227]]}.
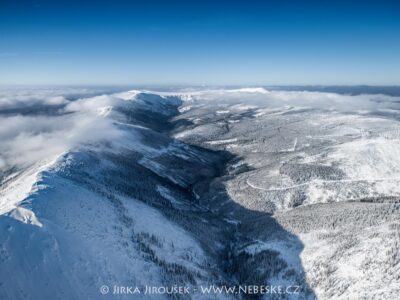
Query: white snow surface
{"points": [[62, 240], [60, 233], [75, 250]]}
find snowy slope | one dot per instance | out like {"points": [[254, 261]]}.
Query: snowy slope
{"points": [[85, 240], [324, 169], [197, 187], [88, 217]]}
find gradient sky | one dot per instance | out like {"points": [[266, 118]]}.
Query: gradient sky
{"points": [[200, 42]]}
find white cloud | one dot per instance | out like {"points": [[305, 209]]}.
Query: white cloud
{"points": [[279, 98], [28, 138], [19, 98]]}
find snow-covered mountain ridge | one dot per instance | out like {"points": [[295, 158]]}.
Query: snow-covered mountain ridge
{"points": [[90, 215], [192, 188]]}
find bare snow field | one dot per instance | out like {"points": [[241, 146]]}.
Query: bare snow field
{"points": [[199, 187]]}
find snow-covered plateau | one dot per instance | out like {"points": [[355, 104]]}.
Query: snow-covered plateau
{"points": [[199, 187]]}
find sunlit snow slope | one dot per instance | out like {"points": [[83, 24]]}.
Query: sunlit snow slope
{"points": [[199, 187], [107, 207], [326, 166]]}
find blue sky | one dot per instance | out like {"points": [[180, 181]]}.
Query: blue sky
{"points": [[200, 42]]}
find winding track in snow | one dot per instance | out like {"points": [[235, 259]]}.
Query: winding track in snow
{"points": [[318, 181]]}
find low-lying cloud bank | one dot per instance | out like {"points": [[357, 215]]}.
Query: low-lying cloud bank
{"points": [[79, 118], [20, 98], [27, 138], [316, 100]]}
